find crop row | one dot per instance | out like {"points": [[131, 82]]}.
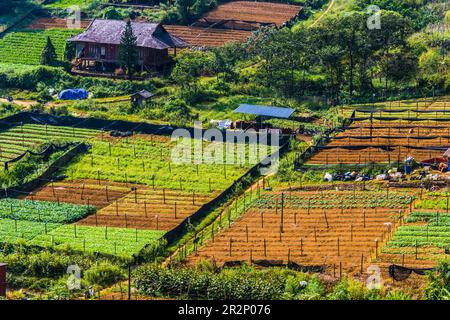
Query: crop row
{"points": [[18, 139], [29, 43], [43, 211], [115, 241], [410, 236], [151, 163], [358, 200]]}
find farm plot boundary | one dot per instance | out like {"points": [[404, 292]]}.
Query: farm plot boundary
{"points": [[17, 191]]}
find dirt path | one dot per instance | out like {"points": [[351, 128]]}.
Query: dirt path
{"points": [[23, 103], [324, 13]]}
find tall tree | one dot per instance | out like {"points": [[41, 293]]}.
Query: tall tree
{"points": [[48, 54], [128, 54]]}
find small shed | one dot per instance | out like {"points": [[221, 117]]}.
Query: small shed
{"points": [[140, 97]]}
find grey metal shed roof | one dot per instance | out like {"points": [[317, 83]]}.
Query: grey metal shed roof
{"points": [[274, 112], [149, 35], [144, 94]]}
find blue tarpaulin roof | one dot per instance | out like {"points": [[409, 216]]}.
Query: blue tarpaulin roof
{"points": [[266, 111], [73, 94]]}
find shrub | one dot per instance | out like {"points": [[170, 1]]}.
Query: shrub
{"points": [[104, 274]]}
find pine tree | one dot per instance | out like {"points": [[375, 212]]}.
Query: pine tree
{"points": [[127, 51], [48, 54]]}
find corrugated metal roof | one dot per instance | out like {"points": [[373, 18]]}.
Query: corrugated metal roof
{"points": [[274, 112], [149, 35], [144, 94]]}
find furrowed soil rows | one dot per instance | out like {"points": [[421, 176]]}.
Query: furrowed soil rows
{"points": [[146, 208], [208, 37], [320, 233], [261, 12], [83, 191], [391, 140]]}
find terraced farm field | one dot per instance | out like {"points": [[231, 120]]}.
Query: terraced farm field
{"points": [[260, 12], [147, 160], [389, 135], [208, 37], [16, 140], [30, 43], [336, 229], [114, 241], [424, 239]]}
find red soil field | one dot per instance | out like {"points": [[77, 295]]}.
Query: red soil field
{"points": [[329, 237], [125, 205], [208, 37], [151, 209], [398, 135], [260, 12], [81, 192]]}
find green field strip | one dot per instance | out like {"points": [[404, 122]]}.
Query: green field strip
{"points": [[12, 230], [108, 240], [43, 211]]}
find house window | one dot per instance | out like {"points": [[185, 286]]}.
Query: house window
{"points": [[103, 52], [93, 51]]}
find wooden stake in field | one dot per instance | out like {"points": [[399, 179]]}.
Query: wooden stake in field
{"points": [[338, 247], [265, 247], [157, 222], [106, 193], [301, 247], [164, 195], [175, 210], [326, 219], [364, 218], [246, 232], [362, 264], [230, 246], [416, 249], [262, 219], [117, 208], [282, 213]]}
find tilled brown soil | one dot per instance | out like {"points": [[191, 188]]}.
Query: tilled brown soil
{"points": [[322, 237]]}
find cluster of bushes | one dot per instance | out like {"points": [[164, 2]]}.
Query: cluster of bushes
{"points": [[58, 79], [46, 270], [249, 283]]}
